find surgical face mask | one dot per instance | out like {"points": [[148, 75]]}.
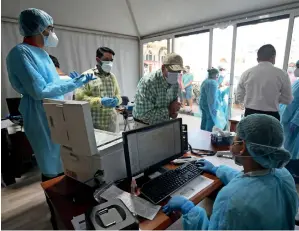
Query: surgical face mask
{"points": [[51, 40], [172, 77], [106, 66]]}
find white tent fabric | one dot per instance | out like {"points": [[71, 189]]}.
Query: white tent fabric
{"points": [[151, 16], [77, 51]]}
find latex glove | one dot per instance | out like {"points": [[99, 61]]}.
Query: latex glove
{"points": [[293, 127], [84, 78], [178, 203], [75, 75], [115, 102], [88, 78], [206, 166], [107, 102]]}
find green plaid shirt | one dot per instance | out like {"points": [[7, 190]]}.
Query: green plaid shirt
{"points": [[105, 85], [153, 97]]}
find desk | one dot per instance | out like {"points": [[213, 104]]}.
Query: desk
{"points": [[65, 209], [200, 139]]}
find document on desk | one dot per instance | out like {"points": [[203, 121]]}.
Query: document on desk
{"points": [[134, 204], [193, 187]]}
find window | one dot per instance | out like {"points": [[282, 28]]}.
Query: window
{"points": [[162, 54], [294, 52], [250, 37], [194, 50], [152, 52], [222, 50]]}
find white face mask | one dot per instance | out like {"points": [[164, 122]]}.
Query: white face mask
{"points": [[51, 40], [106, 66], [172, 77]]}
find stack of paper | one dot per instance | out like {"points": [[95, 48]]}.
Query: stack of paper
{"points": [[135, 204]]}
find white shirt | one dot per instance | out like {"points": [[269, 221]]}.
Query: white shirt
{"points": [[264, 87], [67, 96]]}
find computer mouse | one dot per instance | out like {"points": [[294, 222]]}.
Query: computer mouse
{"points": [[198, 164]]}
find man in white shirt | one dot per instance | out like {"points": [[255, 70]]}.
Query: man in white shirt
{"points": [[263, 87], [63, 76]]}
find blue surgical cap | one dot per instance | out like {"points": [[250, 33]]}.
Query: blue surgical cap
{"points": [[34, 21], [263, 136]]}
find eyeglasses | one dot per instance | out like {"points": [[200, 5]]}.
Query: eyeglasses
{"points": [[50, 28], [237, 142]]}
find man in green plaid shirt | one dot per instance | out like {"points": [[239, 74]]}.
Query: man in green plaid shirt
{"points": [[156, 99], [103, 94]]}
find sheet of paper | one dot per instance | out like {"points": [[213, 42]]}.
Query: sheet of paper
{"points": [[6, 123], [134, 204], [193, 187], [79, 222]]}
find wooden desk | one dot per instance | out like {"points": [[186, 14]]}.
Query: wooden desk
{"points": [[234, 122], [59, 190], [200, 139]]}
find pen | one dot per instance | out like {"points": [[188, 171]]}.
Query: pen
{"points": [[185, 157]]}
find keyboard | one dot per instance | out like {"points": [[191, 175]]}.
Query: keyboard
{"points": [[164, 185]]}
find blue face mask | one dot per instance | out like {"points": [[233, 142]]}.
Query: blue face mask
{"points": [[172, 77]]}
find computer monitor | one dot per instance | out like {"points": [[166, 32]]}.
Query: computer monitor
{"points": [[151, 147], [13, 106]]}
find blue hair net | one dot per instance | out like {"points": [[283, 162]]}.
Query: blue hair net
{"points": [[34, 21], [263, 136]]}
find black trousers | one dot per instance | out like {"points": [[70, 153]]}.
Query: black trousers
{"points": [[53, 219], [249, 111]]}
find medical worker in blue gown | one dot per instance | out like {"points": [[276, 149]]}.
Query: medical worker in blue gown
{"points": [[290, 122], [209, 104], [261, 197]]}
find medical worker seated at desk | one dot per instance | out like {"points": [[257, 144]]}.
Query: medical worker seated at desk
{"points": [[262, 197]]}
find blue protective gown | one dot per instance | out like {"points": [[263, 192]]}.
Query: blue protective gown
{"points": [[267, 202], [32, 73], [212, 113], [290, 114]]}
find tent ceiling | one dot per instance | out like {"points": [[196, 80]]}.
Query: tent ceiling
{"points": [[151, 15]]}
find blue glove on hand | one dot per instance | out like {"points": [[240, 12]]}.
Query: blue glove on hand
{"points": [[115, 102], [84, 78], [206, 166], [178, 203], [74, 75], [107, 102]]}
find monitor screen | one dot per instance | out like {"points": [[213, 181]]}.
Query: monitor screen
{"points": [[152, 146]]}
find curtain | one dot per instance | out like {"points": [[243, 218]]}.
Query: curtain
{"points": [[76, 51]]}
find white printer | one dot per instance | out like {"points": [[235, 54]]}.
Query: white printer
{"points": [[84, 150]]}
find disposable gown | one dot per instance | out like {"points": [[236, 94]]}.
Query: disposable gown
{"points": [[267, 202], [212, 113], [32, 73], [290, 114]]}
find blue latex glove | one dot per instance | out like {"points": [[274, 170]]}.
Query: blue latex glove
{"points": [[107, 102], [207, 166], [115, 102], [292, 127], [178, 203], [84, 78], [74, 75]]}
